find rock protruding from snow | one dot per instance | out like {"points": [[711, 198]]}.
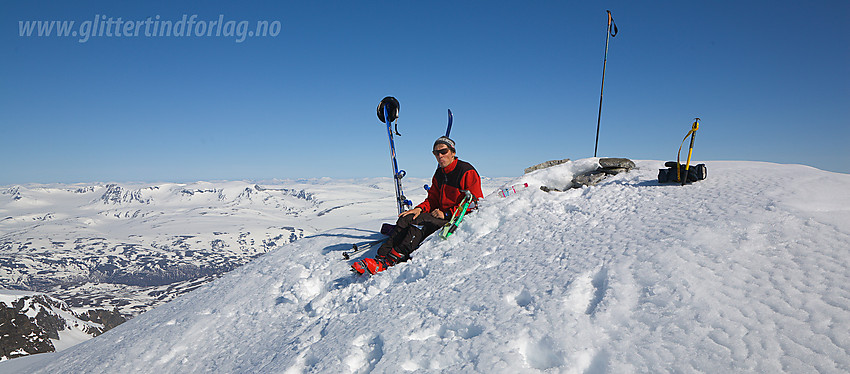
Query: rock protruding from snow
{"points": [[32, 322], [607, 166], [616, 163], [21, 336], [544, 165], [589, 172]]}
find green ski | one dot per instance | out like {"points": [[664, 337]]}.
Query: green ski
{"points": [[450, 227]]}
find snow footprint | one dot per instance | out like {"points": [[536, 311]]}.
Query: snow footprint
{"points": [[412, 274], [523, 299], [366, 353], [542, 353], [587, 291], [460, 330], [307, 292]]}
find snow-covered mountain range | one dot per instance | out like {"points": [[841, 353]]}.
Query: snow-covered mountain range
{"points": [[746, 271], [131, 246], [123, 249]]}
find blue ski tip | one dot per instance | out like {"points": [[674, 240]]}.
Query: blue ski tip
{"points": [[449, 127]]}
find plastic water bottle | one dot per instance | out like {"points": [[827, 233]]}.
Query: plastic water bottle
{"points": [[505, 192]]}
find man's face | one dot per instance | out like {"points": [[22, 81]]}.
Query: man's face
{"points": [[444, 155]]}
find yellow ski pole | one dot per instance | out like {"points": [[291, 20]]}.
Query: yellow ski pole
{"points": [[693, 132]]}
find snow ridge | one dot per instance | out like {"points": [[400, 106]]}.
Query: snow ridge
{"points": [[735, 273]]}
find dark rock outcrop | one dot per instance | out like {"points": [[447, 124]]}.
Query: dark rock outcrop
{"points": [[23, 335], [607, 167]]}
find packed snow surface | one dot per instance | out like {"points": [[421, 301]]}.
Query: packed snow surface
{"points": [[748, 270]]}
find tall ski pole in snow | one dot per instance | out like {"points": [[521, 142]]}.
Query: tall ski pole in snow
{"points": [[604, 63]]}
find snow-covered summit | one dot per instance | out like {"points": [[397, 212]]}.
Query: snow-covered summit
{"points": [[744, 271]]}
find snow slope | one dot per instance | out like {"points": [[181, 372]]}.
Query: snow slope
{"points": [[745, 271], [133, 247]]}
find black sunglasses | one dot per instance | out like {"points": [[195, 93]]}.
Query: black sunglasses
{"points": [[441, 151]]}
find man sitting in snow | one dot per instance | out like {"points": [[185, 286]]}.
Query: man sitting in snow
{"points": [[451, 178]]}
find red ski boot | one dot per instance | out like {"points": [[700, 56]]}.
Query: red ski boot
{"points": [[369, 264], [378, 264]]}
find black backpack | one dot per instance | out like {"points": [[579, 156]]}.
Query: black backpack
{"points": [[695, 173]]}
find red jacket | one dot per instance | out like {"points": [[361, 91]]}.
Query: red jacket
{"points": [[446, 186]]}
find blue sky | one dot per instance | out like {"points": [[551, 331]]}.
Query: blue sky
{"points": [[770, 80]]}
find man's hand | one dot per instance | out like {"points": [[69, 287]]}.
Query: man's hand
{"points": [[415, 212], [436, 213]]}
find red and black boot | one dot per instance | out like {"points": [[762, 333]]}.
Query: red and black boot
{"points": [[394, 257], [378, 264], [370, 265]]}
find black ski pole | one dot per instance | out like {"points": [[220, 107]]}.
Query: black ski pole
{"points": [[604, 63], [355, 249]]}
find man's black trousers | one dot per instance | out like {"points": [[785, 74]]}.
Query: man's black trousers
{"points": [[406, 236]]}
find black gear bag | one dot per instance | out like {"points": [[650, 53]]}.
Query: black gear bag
{"points": [[695, 173], [676, 172]]}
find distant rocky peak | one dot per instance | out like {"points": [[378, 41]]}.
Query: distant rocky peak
{"points": [[300, 194], [116, 194], [14, 191]]}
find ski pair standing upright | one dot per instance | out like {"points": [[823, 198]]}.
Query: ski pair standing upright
{"points": [[388, 110], [388, 113]]}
